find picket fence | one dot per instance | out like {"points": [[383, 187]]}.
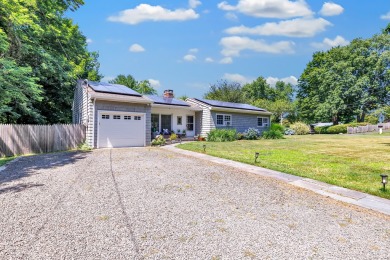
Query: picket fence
{"points": [[367, 128], [27, 139]]}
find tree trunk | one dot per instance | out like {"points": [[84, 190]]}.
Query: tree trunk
{"points": [[360, 118], [335, 120]]}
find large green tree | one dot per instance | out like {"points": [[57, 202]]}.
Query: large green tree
{"points": [[226, 91], [50, 52], [142, 87], [346, 82]]}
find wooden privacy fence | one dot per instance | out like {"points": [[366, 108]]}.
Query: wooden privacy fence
{"points": [[367, 128], [25, 139]]}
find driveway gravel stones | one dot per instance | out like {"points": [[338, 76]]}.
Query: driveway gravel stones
{"points": [[148, 203]]}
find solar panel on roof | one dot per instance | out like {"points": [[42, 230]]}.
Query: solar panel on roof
{"points": [[112, 88], [168, 101], [217, 103]]}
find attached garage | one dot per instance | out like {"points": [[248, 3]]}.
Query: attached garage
{"points": [[120, 129]]}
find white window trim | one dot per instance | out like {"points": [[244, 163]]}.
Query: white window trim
{"points": [[224, 122], [267, 125]]}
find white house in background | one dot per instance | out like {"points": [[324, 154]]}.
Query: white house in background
{"points": [[117, 116]]}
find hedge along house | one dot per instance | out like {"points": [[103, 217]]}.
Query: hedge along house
{"points": [[219, 114], [117, 116]]}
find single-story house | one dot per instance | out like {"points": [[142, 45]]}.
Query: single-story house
{"points": [[117, 116]]}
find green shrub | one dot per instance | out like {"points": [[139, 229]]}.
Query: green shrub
{"points": [[373, 120], [273, 134], [159, 140], [286, 122], [240, 136], [222, 135], [278, 127], [321, 129], [300, 128], [337, 129], [173, 136], [252, 134]]}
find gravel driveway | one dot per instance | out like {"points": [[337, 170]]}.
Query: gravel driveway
{"points": [[148, 203]]}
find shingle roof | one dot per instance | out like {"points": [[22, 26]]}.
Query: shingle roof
{"points": [[216, 103]]}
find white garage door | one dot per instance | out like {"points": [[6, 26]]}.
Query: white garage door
{"points": [[121, 129]]}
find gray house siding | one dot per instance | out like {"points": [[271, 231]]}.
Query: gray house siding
{"points": [[80, 105], [198, 122], [124, 107], [206, 119], [240, 122]]}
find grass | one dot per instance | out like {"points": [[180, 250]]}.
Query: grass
{"points": [[4, 160], [350, 161]]}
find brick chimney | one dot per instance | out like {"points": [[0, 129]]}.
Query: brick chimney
{"points": [[168, 93]]}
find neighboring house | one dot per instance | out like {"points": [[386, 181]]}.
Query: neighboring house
{"points": [[117, 116]]}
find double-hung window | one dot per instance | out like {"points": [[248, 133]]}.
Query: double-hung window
{"points": [[262, 121], [224, 120]]}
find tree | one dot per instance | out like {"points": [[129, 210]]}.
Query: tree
{"points": [[226, 91], [142, 87], [346, 82], [37, 36], [258, 89]]}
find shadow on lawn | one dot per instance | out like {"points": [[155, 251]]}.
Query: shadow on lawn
{"points": [[30, 165]]}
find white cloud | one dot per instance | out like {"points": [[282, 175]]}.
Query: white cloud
{"points": [[269, 8], [386, 16], [154, 83], [291, 79], [189, 57], [233, 45], [89, 41], [136, 48], [145, 12], [329, 43], [194, 3], [231, 16], [331, 9], [237, 78], [226, 60], [193, 50], [299, 27], [209, 60]]}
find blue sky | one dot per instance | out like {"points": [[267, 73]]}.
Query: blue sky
{"points": [[188, 45]]}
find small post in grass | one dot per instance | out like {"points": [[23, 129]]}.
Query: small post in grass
{"points": [[384, 181], [204, 148], [256, 156]]}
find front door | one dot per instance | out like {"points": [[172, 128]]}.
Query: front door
{"points": [[166, 122]]}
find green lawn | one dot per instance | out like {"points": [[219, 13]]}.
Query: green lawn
{"points": [[4, 160], [351, 161]]}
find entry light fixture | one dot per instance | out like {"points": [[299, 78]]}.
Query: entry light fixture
{"points": [[256, 156], [384, 181]]}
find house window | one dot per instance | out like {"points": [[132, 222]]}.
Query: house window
{"points": [[155, 118], [105, 116], [117, 117], [190, 123], [137, 118], [179, 120], [127, 117], [262, 121], [224, 120]]}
